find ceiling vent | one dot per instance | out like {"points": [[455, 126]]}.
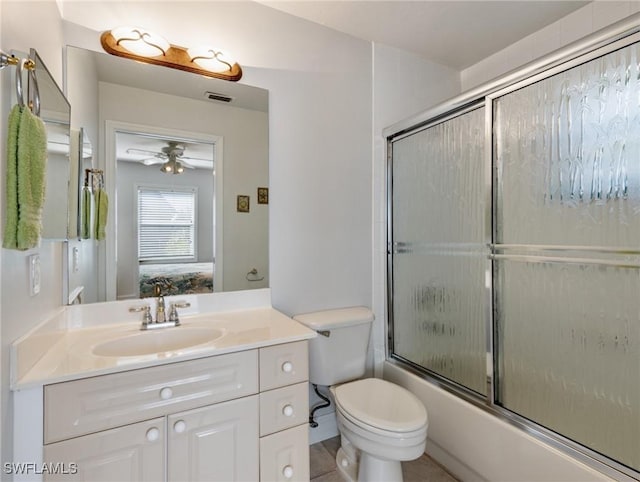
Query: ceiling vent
{"points": [[218, 97]]}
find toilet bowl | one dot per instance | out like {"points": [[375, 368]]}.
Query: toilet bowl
{"points": [[380, 423], [384, 423]]}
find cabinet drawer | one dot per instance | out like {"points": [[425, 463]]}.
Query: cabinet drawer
{"points": [[97, 403], [134, 453], [284, 456], [284, 408], [282, 365]]}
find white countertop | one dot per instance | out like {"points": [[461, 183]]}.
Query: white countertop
{"points": [[71, 355]]}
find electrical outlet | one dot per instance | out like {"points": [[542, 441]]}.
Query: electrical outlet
{"points": [[34, 274]]}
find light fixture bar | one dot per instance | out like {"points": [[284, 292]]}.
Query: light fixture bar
{"points": [[173, 56]]}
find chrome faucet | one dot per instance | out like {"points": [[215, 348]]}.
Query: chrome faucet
{"points": [[161, 318]]}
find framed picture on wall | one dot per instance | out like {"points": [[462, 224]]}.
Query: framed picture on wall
{"points": [[242, 205], [263, 195]]}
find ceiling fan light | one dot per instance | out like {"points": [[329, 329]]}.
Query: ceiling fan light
{"points": [[166, 167], [140, 42]]}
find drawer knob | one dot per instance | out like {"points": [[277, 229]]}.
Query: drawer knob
{"points": [[287, 472], [287, 367], [153, 434], [180, 426], [287, 410], [166, 393]]}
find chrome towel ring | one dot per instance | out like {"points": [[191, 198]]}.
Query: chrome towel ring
{"points": [[34, 91]]}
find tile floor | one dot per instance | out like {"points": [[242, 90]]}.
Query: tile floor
{"points": [[323, 465]]}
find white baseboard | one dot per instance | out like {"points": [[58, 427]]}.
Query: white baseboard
{"points": [[327, 428]]}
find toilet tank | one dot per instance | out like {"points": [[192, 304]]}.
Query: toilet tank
{"points": [[339, 352]]}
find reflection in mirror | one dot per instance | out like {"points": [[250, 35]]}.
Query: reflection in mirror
{"points": [[144, 118], [169, 183], [81, 159], [55, 113]]}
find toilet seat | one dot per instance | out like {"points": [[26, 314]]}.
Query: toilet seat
{"points": [[381, 407]]}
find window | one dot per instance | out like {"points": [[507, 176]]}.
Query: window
{"points": [[166, 223]]}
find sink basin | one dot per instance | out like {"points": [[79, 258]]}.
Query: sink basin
{"points": [[157, 341]]}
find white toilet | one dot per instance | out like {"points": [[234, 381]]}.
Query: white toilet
{"points": [[380, 423]]}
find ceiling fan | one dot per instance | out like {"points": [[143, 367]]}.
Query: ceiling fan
{"points": [[171, 157]]}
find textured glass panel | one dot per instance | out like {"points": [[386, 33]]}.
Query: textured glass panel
{"points": [[438, 183], [439, 259], [570, 341], [568, 156], [568, 175], [439, 317]]}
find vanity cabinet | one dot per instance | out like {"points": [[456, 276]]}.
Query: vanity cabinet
{"points": [[127, 454], [234, 417]]}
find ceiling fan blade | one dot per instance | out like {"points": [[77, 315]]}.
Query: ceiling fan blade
{"points": [[194, 158], [152, 161], [133, 150]]}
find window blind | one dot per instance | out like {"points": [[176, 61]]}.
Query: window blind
{"points": [[166, 224]]}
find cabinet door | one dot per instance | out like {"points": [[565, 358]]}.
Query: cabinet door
{"points": [[217, 443], [132, 453]]}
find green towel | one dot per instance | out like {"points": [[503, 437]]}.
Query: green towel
{"points": [[102, 210], [26, 168], [10, 239], [85, 226], [32, 168]]}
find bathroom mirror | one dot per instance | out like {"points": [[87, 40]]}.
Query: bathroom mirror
{"points": [[146, 121], [55, 113]]}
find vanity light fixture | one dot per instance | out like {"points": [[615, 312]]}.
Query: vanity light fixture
{"points": [[139, 44]]}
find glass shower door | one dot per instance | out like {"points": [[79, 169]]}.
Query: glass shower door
{"points": [[438, 248], [567, 253]]}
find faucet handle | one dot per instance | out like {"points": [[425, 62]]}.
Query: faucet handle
{"points": [[173, 310], [146, 313]]}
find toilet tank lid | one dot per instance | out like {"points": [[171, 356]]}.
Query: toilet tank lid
{"points": [[325, 320]]}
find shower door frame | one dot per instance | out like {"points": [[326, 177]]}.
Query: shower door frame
{"points": [[617, 36]]}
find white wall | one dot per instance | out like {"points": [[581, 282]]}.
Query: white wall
{"points": [[20, 312], [582, 22]]}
